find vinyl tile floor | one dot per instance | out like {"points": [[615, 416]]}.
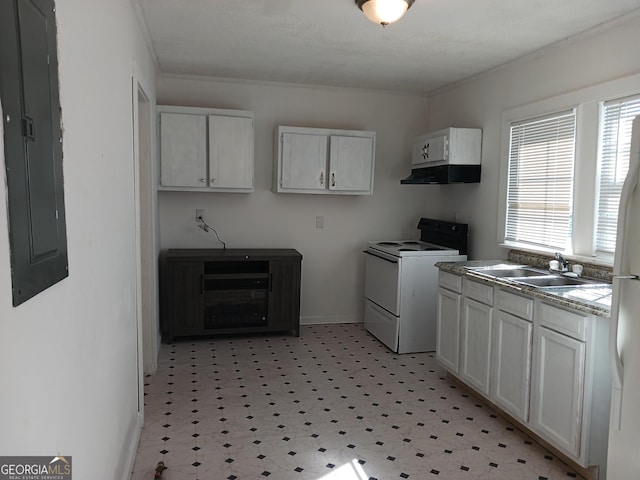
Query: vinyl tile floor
{"points": [[333, 404]]}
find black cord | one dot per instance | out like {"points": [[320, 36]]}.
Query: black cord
{"points": [[206, 227]]}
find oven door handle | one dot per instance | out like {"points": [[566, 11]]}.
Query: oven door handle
{"points": [[389, 258]]}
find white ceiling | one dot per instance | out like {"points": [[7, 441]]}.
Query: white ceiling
{"points": [[330, 42]]}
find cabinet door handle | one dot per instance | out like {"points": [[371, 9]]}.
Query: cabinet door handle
{"points": [[322, 179], [201, 283], [203, 180], [213, 180], [28, 128], [333, 179]]}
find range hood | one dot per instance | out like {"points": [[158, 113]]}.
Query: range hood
{"points": [[443, 174], [451, 155]]}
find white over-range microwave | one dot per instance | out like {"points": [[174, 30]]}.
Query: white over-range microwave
{"points": [[450, 146], [450, 155]]}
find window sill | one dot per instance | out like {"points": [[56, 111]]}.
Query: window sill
{"points": [[601, 260]]}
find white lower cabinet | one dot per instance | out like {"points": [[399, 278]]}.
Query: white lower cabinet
{"points": [[512, 365], [558, 388], [512, 337], [448, 329], [475, 344], [475, 335], [544, 365]]}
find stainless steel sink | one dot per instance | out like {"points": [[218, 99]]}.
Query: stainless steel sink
{"points": [[555, 281], [514, 272], [535, 277]]}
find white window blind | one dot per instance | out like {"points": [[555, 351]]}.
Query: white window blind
{"points": [[540, 183], [615, 142]]}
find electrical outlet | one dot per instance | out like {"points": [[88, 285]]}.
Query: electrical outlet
{"points": [[319, 221], [199, 214]]}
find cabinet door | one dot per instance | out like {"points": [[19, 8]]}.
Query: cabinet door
{"points": [[230, 152], [183, 150], [448, 329], [284, 295], [304, 162], [475, 344], [512, 338], [558, 389], [351, 164], [186, 315]]}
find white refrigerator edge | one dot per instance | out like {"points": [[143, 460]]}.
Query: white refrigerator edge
{"points": [[623, 461]]}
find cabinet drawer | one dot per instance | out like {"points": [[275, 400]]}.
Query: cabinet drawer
{"points": [[570, 323], [478, 291], [515, 304], [450, 281]]}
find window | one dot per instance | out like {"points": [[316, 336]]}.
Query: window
{"points": [[577, 212], [540, 181], [614, 150]]}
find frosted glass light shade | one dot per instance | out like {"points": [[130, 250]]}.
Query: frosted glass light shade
{"points": [[384, 12]]}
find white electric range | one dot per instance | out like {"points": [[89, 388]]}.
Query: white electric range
{"points": [[401, 284]]}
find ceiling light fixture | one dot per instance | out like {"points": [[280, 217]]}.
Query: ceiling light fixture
{"points": [[384, 12]]}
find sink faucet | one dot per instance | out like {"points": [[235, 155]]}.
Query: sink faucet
{"points": [[564, 265]]}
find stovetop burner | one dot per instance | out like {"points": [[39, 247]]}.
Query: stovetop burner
{"points": [[400, 248], [437, 237]]}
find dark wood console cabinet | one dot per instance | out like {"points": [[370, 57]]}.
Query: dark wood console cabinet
{"points": [[209, 291]]}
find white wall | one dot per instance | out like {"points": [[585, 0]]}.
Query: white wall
{"points": [[68, 373], [591, 59], [333, 263]]}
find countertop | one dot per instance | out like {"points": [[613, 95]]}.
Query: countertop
{"points": [[592, 300]]}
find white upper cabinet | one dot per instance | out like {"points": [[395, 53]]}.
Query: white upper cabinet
{"points": [[230, 152], [205, 149], [183, 148], [322, 161], [351, 164], [303, 164]]}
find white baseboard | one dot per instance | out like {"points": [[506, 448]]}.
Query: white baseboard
{"points": [[324, 320], [130, 450]]}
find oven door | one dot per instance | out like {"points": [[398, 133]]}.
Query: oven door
{"points": [[382, 281]]}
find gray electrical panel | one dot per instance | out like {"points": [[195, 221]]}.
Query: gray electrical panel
{"points": [[32, 145]]}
